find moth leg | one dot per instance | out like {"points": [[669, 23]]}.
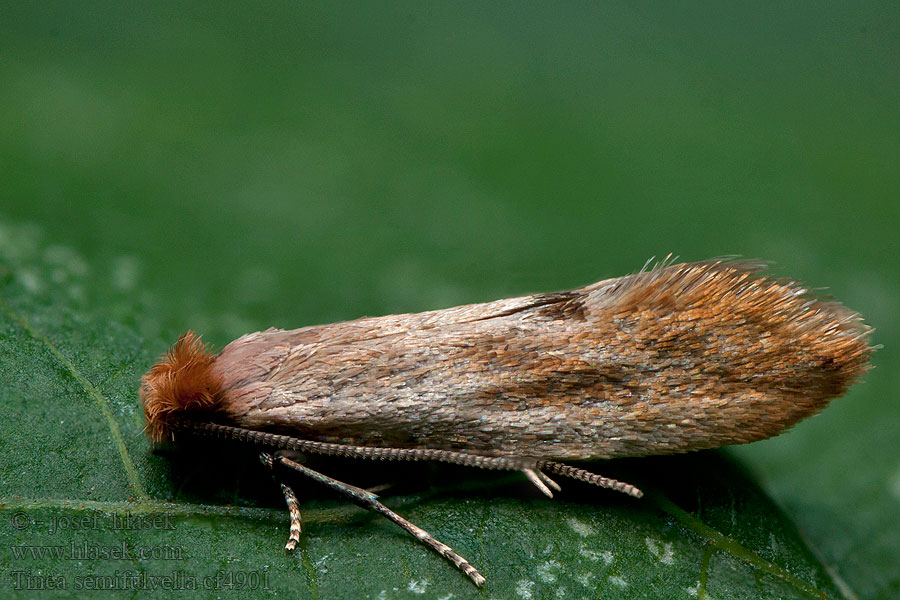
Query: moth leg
{"points": [[541, 481], [546, 479], [294, 510], [293, 505], [369, 501]]}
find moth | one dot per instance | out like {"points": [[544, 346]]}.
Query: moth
{"points": [[674, 358]]}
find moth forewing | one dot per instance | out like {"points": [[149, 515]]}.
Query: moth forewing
{"points": [[672, 359]]}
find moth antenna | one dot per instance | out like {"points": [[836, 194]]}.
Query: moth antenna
{"points": [[285, 442], [588, 477], [508, 463]]}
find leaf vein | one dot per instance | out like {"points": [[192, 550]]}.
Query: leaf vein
{"points": [[94, 393]]}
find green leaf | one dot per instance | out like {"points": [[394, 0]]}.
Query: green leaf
{"points": [[233, 169], [89, 504]]}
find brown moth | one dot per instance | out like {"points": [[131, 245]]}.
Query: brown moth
{"points": [[671, 359]]}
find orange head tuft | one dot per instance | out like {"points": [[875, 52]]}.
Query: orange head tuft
{"points": [[181, 384]]}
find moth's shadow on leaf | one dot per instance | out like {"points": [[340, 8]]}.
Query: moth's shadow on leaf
{"points": [[709, 487], [223, 473]]}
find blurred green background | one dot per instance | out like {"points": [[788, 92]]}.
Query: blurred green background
{"points": [[228, 167]]}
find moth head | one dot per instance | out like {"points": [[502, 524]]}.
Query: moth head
{"points": [[182, 385]]}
